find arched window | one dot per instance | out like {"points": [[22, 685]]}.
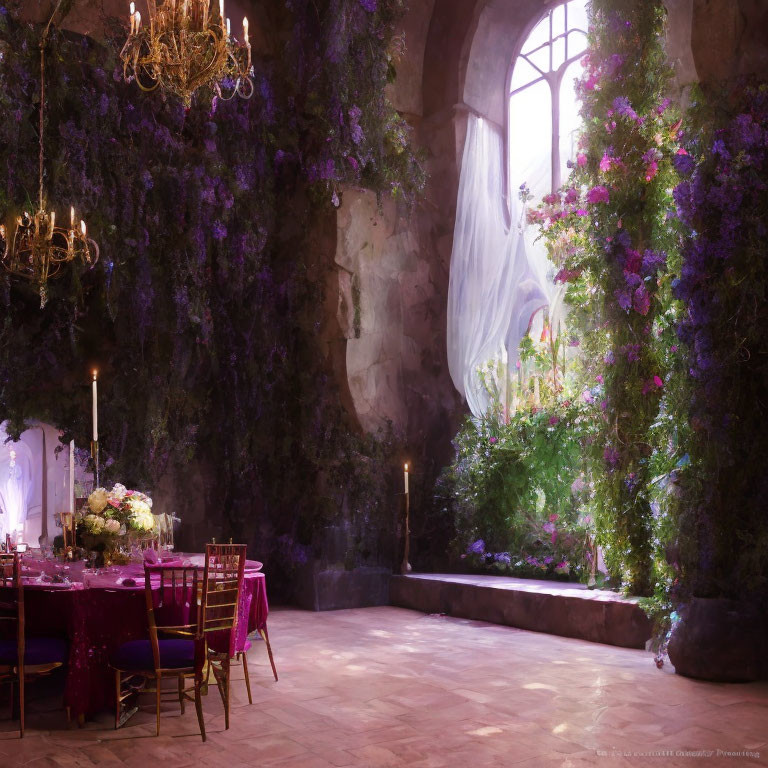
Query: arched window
{"points": [[501, 286], [543, 109]]}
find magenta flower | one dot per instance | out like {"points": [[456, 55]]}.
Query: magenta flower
{"points": [[581, 159], [651, 170], [641, 300], [571, 196], [598, 194]]}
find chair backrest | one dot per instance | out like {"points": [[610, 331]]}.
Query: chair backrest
{"points": [[222, 585], [172, 595], [12, 600]]}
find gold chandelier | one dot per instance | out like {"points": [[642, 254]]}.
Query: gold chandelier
{"points": [[187, 45], [33, 246]]}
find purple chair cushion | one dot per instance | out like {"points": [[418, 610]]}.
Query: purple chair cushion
{"points": [[137, 655], [37, 650]]}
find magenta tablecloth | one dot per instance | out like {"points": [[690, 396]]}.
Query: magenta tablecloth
{"points": [[101, 615]]}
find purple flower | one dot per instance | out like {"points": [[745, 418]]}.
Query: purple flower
{"points": [[219, 231], [622, 107], [684, 164], [369, 5], [476, 547], [653, 262], [624, 299], [611, 456], [632, 351]]}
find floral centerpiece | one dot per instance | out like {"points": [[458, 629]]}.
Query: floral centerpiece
{"points": [[113, 520]]}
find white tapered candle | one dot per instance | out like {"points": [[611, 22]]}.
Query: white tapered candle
{"points": [[71, 477], [405, 478], [95, 391]]}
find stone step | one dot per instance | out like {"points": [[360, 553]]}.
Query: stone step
{"points": [[557, 608]]}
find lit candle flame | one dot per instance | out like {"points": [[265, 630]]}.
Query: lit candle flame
{"points": [[227, 27], [82, 227], [221, 9], [245, 29]]}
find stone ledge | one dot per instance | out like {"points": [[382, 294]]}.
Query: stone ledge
{"points": [[557, 608]]}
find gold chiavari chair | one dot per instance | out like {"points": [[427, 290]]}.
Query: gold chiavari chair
{"points": [[22, 657], [175, 602], [222, 586]]}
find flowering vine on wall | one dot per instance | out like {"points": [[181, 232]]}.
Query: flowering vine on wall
{"points": [[614, 214], [722, 199], [204, 312]]}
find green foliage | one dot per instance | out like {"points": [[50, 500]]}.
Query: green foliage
{"points": [[518, 489]]}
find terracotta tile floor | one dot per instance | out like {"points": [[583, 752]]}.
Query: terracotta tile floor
{"points": [[391, 687]]}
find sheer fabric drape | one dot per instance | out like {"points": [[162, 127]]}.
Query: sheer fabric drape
{"points": [[15, 488], [493, 289]]}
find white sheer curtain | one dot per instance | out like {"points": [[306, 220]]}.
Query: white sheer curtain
{"points": [[15, 487], [493, 289]]}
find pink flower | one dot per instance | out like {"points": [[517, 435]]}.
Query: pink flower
{"points": [[605, 163], [581, 160], [598, 194], [599, 378], [553, 420], [651, 170], [658, 382], [492, 440], [673, 348]]}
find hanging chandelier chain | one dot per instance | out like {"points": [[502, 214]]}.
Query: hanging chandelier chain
{"points": [[43, 44]]}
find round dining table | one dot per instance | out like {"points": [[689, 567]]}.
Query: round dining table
{"points": [[99, 611]]}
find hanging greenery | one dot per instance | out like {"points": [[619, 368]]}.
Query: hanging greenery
{"points": [[204, 313]]}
